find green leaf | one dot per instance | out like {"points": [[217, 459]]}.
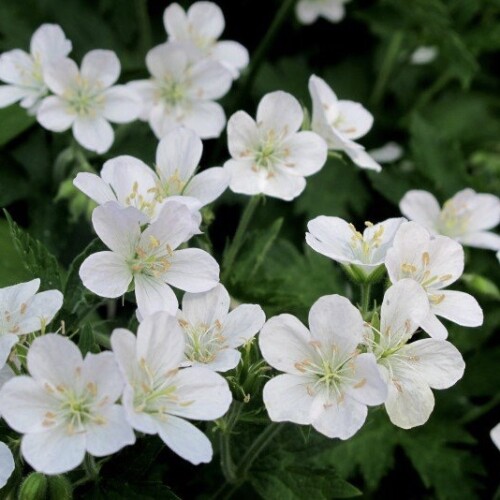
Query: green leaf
{"points": [[479, 284], [12, 270], [15, 120], [87, 341], [37, 260]]}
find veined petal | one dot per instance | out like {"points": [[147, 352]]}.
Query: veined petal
{"points": [[208, 185], [15, 66], [139, 420], [94, 187], [176, 22], [7, 464], [102, 66], [7, 342], [94, 134], [281, 112], [325, 105], [446, 258], [49, 43], [225, 360], [153, 295], [232, 55], [285, 330], [9, 94], [53, 114], [422, 207], [206, 118], [386, 232], [243, 323], [369, 387], [361, 158], [207, 307], [432, 326], [242, 135], [206, 19], [244, 179], [40, 311], [167, 60], [61, 76], [146, 91], [102, 371], [123, 343], [355, 121], [283, 186], [459, 307], [209, 80], [306, 153], [121, 104], [481, 239], [483, 209]]}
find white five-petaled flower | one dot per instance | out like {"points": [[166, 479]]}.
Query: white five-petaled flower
{"points": [[23, 311], [202, 25], [308, 11], [159, 395], [7, 464], [340, 241], [24, 73], [434, 262], [466, 217], [327, 383], [130, 182], [148, 257], [67, 406], [270, 155], [340, 123], [411, 369], [86, 100], [213, 333], [182, 91]]}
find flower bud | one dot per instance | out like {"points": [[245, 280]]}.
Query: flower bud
{"points": [[34, 487]]}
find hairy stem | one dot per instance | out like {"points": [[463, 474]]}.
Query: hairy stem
{"points": [[365, 299]]}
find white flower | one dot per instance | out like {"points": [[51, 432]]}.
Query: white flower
{"points": [[148, 257], [327, 383], [340, 122], [212, 333], [411, 369], [7, 464], [23, 311], [495, 435], [66, 407], [435, 263], [270, 155], [130, 182], [182, 91], [388, 153], [202, 25], [466, 217], [308, 11], [86, 100], [340, 241], [423, 55], [24, 73], [158, 395]]}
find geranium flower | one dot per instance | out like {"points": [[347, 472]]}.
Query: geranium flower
{"points": [[411, 369], [147, 257], [434, 262], [86, 100], [66, 407], [24, 73], [182, 91], [340, 241], [270, 155], [159, 396], [466, 217], [202, 25], [130, 182], [212, 333], [23, 311], [327, 382], [340, 122], [308, 11]]}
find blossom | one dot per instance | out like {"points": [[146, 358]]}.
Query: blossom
{"points": [[67, 406], [148, 257], [23, 311], [270, 155], [327, 382], [24, 73], [411, 369], [182, 91], [201, 26], [159, 396], [340, 122], [86, 101], [388, 153], [434, 262], [130, 182], [308, 11], [423, 55], [495, 435], [212, 333], [466, 217], [340, 241], [7, 464]]}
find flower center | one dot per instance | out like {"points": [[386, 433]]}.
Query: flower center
{"points": [[203, 342], [172, 92], [172, 186], [84, 99], [364, 246], [454, 218], [151, 259], [137, 200]]}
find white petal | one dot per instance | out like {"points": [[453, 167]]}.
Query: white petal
{"points": [[108, 438], [355, 120], [437, 362], [178, 153], [167, 60], [446, 257], [388, 153], [333, 320], [422, 207], [459, 307], [361, 158], [94, 187], [6, 373], [432, 326], [207, 307], [283, 186], [103, 372], [281, 112], [284, 341], [206, 392], [9, 94], [232, 54], [106, 274], [287, 398], [481, 239], [7, 342], [175, 22], [369, 387], [307, 12], [123, 343], [484, 212], [242, 135], [193, 270], [15, 65], [121, 104], [12, 297], [139, 420], [243, 323], [225, 360], [146, 90], [40, 311], [244, 179], [54, 451], [62, 76], [185, 439], [495, 435], [208, 185], [206, 19], [384, 233], [153, 295], [206, 118], [101, 66], [49, 43], [94, 134], [333, 10], [306, 153], [7, 464], [209, 80], [53, 114]]}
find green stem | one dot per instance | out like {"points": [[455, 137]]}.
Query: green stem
{"points": [[436, 87], [365, 298], [145, 35], [226, 460], [477, 412], [91, 467], [234, 247], [390, 57]]}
